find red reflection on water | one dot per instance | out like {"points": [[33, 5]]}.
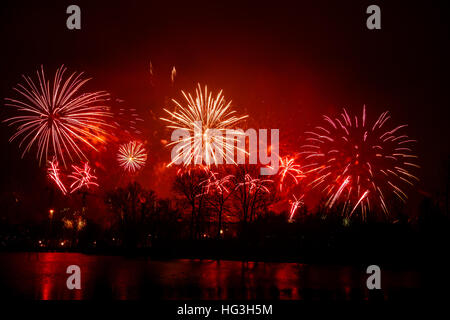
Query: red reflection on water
{"points": [[46, 270], [43, 276], [50, 275]]}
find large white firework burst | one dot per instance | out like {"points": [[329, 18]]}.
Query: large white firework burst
{"points": [[200, 116]]}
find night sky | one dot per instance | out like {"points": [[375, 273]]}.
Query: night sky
{"points": [[285, 65]]}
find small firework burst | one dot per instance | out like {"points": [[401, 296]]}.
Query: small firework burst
{"points": [[82, 177], [57, 118], [288, 168], [360, 165], [202, 117], [53, 173], [132, 156]]}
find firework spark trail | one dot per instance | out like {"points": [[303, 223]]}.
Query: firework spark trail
{"points": [[150, 68], [53, 172], [82, 178], [127, 119], [173, 74], [288, 168], [193, 170], [132, 156], [357, 163], [57, 116], [359, 201], [220, 185], [214, 115], [295, 204], [254, 184]]}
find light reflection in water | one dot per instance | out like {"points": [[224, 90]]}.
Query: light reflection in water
{"points": [[43, 276]]}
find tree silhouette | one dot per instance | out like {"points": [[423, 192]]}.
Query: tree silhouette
{"points": [[131, 206]]}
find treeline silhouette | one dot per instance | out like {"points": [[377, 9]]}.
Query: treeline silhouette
{"points": [[237, 224]]}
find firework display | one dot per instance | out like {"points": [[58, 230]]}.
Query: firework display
{"points": [[57, 117], [359, 165], [200, 116], [287, 153], [132, 156]]}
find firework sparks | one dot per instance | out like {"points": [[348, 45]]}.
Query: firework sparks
{"points": [[150, 69], [53, 173], [132, 156], [128, 120], [288, 168], [57, 118], [295, 204], [220, 185], [254, 184], [81, 223], [201, 117], [173, 74], [82, 178], [360, 164]]}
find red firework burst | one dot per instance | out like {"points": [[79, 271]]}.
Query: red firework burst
{"points": [[57, 118], [295, 204], [288, 168], [359, 165], [219, 185], [82, 178], [53, 173], [254, 184]]}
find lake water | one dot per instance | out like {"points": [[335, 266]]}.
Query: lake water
{"points": [[43, 276]]}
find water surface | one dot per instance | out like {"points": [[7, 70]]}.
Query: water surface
{"points": [[43, 276]]}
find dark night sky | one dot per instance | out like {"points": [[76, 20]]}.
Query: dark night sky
{"points": [[284, 63]]}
